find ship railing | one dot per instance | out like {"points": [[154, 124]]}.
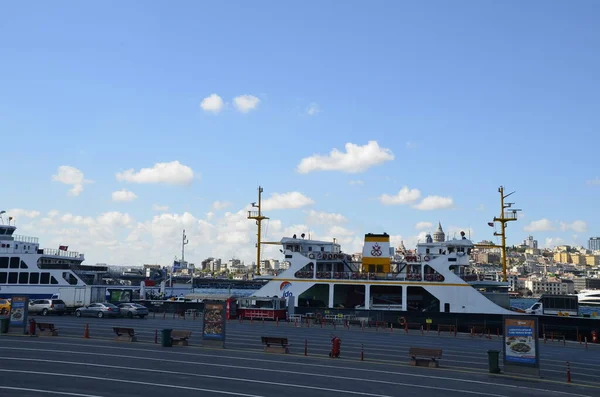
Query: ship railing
{"points": [[26, 239], [66, 254], [326, 275], [391, 276], [472, 277]]}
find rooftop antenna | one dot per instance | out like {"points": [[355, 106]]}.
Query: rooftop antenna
{"points": [[2, 219]]}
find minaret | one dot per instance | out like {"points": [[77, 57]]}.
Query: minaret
{"points": [[439, 236]]}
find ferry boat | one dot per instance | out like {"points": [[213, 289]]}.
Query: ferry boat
{"points": [[27, 269], [590, 297], [433, 278]]}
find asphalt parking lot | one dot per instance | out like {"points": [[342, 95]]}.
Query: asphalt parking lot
{"points": [[72, 365]]}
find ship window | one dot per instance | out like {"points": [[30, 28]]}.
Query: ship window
{"points": [[23, 265], [427, 250], [322, 249], [310, 248], [16, 246], [14, 262], [45, 278], [446, 307], [12, 277], [4, 262], [34, 278], [23, 277], [2, 277], [53, 280]]}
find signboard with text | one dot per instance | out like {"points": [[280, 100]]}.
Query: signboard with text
{"points": [[213, 327], [18, 311], [521, 344]]}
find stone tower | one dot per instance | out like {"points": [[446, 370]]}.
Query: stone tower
{"points": [[439, 236]]}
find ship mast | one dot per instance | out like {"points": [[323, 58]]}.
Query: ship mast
{"points": [[257, 215], [504, 218]]}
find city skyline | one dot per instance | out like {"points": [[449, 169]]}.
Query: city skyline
{"points": [[121, 129]]}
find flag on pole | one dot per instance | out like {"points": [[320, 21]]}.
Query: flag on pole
{"points": [[63, 248], [491, 224]]}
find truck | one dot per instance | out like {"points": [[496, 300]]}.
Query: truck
{"points": [[555, 305], [75, 297]]}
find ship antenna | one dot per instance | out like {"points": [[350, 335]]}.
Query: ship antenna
{"points": [[504, 218], [257, 215]]}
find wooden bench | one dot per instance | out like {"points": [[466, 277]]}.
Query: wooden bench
{"points": [[47, 329], [125, 334], [180, 337], [281, 344], [432, 355]]}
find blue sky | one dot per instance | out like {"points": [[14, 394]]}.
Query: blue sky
{"points": [[464, 96]]}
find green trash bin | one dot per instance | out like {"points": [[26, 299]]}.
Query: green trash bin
{"points": [[166, 338], [4, 324], [493, 358]]}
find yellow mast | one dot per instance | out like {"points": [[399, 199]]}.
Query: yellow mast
{"points": [[505, 217], [257, 215]]}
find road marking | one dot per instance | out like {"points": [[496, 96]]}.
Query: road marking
{"points": [[302, 373], [287, 385], [132, 382], [62, 393]]}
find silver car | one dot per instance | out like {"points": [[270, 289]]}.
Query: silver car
{"points": [[98, 310], [133, 309], [46, 307]]}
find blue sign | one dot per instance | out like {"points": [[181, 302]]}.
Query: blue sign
{"points": [[18, 311]]}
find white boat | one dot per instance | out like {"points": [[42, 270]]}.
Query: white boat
{"points": [[433, 278], [590, 297], [27, 269]]}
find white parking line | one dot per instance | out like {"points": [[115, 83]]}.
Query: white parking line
{"points": [[366, 380], [61, 393]]}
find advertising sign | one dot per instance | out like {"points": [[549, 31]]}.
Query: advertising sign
{"points": [[18, 311], [521, 348], [213, 327]]}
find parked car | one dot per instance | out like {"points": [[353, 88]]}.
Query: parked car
{"points": [[133, 309], [98, 310], [47, 306], [4, 306]]}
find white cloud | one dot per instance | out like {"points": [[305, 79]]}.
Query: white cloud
{"points": [[173, 173], [212, 103], [423, 225], [220, 205], [356, 159], [279, 201], [542, 225], [313, 109], [246, 103], [339, 231], [324, 218], [551, 242], [577, 226], [430, 203], [160, 208], [71, 176], [18, 213], [123, 195], [404, 196], [595, 181], [356, 182]]}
